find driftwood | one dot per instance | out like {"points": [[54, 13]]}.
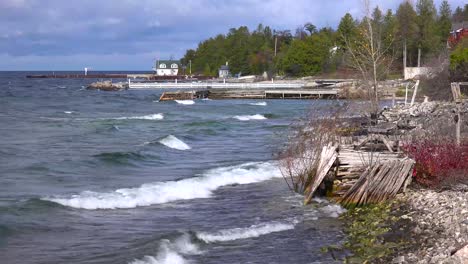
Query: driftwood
{"points": [[379, 183], [327, 159]]}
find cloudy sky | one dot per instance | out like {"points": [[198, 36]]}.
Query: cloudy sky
{"points": [[130, 34]]}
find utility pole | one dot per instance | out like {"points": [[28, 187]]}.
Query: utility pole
{"points": [[276, 42]]}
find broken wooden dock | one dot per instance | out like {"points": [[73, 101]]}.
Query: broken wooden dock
{"points": [[361, 176]]}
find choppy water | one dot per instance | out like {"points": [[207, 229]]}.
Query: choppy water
{"points": [[117, 177]]}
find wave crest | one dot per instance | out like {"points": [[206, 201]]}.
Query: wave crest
{"points": [[185, 102], [259, 103], [170, 252], [145, 117], [164, 192], [250, 117], [174, 143], [247, 232]]}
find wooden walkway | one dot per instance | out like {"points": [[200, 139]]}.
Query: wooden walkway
{"points": [[300, 93], [208, 85]]}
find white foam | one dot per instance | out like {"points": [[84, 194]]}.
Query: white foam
{"points": [[145, 117], [185, 102], [259, 103], [164, 192], [171, 252], [247, 232], [174, 143], [68, 112], [333, 210], [250, 117], [207, 99]]}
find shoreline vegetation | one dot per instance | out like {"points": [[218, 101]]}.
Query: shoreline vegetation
{"points": [[402, 172], [427, 221]]}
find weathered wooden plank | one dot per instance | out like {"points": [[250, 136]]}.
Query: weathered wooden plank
{"points": [[327, 159]]}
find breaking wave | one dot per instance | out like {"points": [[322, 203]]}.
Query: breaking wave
{"points": [[333, 210], [164, 192], [185, 102], [250, 117], [247, 232], [171, 252], [145, 117], [174, 143], [259, 103]]}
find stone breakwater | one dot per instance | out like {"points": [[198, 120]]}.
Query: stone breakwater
{"points": [[439, 233], [428, 116]]}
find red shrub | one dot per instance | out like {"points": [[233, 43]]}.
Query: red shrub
{"points": [[437, 162]]}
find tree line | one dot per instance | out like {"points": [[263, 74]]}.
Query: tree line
{"points": [[416, 32]]}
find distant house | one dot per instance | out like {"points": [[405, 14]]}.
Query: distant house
{"points": [[224, 71], [459, 31], [167, 67]]}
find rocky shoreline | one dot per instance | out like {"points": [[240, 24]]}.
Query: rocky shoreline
{"points": [[438, 226], [424, 225]]}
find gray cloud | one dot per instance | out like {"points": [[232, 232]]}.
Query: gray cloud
{"points": [[129, 34]]}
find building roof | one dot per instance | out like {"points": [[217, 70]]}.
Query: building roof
{"points": [[224, 68], [167, 62]]}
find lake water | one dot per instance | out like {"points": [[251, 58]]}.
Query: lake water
{"points": [[118, 177]]}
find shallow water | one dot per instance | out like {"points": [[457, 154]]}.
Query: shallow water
{"points": [[117, 177]]}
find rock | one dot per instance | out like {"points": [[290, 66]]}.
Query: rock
{"points": [[399, 260], [106, 86], [462, 254]]}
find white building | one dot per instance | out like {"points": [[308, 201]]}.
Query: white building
{"points": [[167, 67], [224, 71]]}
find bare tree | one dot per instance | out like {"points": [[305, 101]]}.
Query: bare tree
{"points": [[370, 55]]}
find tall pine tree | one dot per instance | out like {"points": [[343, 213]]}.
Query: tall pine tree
{"points": [[406, 31], [444, 22], [427, 29]]}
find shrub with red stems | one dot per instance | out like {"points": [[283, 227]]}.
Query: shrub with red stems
{"points": [[438, 162]]}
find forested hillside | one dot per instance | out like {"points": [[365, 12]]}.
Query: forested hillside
{"points": [[309, 51]]}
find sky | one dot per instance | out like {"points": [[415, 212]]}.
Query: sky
{"points": [[130, 34]]}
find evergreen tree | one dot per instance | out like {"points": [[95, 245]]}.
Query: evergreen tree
{"points": [[377, 22], [444, 22], [465, 13], [427, 30], [406, 31], [458, 15], [308, 56], [347, 31], [389, 31]]}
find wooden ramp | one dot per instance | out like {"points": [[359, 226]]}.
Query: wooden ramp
{"points": [[379, 183]]}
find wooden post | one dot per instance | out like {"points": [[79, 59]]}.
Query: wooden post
{"points": [[458, 126], [415, 92], [419, 57], [406, 94], [404, 58]]}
